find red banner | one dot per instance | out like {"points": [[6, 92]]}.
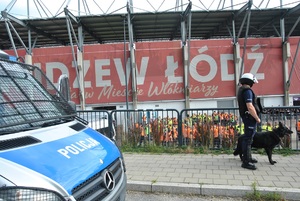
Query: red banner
{"points": [[295, 75], [160, 70], [212, 67]]}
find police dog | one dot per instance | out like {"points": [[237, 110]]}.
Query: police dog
{"points": [[267, 140]]}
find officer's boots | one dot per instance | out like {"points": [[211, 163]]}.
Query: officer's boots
{"points": [[247, 160]]}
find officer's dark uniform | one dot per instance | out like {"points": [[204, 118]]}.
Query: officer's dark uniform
{"points": [[246, 95]]}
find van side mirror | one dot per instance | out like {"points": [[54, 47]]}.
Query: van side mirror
{"points": [[64, 89]]}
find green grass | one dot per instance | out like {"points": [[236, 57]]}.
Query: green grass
{"points": [[156, 149], [258, 196], [196, 150]]}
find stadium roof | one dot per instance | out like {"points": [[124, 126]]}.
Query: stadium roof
{"points": [[150, 26]]}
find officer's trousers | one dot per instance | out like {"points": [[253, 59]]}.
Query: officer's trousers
{"points": [[250, 130]]}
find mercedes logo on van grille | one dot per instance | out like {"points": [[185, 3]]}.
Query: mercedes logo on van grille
{"points": [[109, 180]]}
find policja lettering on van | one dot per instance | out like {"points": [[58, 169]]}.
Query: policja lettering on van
{"points": [[78, 147]]}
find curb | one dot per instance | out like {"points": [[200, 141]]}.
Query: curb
{"points": [[208, 190]]}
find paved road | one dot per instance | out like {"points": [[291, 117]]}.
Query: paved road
{"points": [[213, 175], [138, 196]]}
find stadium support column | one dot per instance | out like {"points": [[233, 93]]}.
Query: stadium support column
{"points": [[28, 56], [80, 67], [78, 62], [28, 59], [186, 77], [288, 75], [8, 18], [286, 54], [132, 59], [237, 63], [238, 60], [288, 82], [185, 39]]}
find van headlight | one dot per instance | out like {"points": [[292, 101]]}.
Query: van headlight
{"points": [[26, 194]]}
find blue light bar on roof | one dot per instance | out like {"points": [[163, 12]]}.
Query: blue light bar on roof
{"points": [[4, 55]]}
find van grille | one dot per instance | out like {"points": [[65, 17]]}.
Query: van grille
{"points": [[94, 188]]}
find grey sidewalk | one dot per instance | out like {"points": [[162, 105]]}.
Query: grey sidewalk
{"points": [[212, 174]]}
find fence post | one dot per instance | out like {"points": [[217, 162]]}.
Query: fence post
{"points": [[180, 129]]}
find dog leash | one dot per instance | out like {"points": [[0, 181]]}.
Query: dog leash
{"points": [[280, 140]]}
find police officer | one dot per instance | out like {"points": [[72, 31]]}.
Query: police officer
{"points": [[249, 112]]}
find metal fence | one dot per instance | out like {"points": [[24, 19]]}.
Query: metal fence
{"points": [[212, 128], [139, 127], [99, 120]]}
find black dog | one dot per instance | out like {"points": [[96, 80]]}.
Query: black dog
{"points": [[267, 140]]}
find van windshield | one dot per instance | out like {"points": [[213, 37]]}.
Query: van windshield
{"points": [[28, 99]]}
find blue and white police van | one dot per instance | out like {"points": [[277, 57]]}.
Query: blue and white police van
{"points": [[48, 153]]}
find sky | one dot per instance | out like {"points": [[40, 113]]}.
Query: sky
{"points": [[53, 8]]}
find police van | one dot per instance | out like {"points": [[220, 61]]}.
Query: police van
{"points": [[47, 152]]}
